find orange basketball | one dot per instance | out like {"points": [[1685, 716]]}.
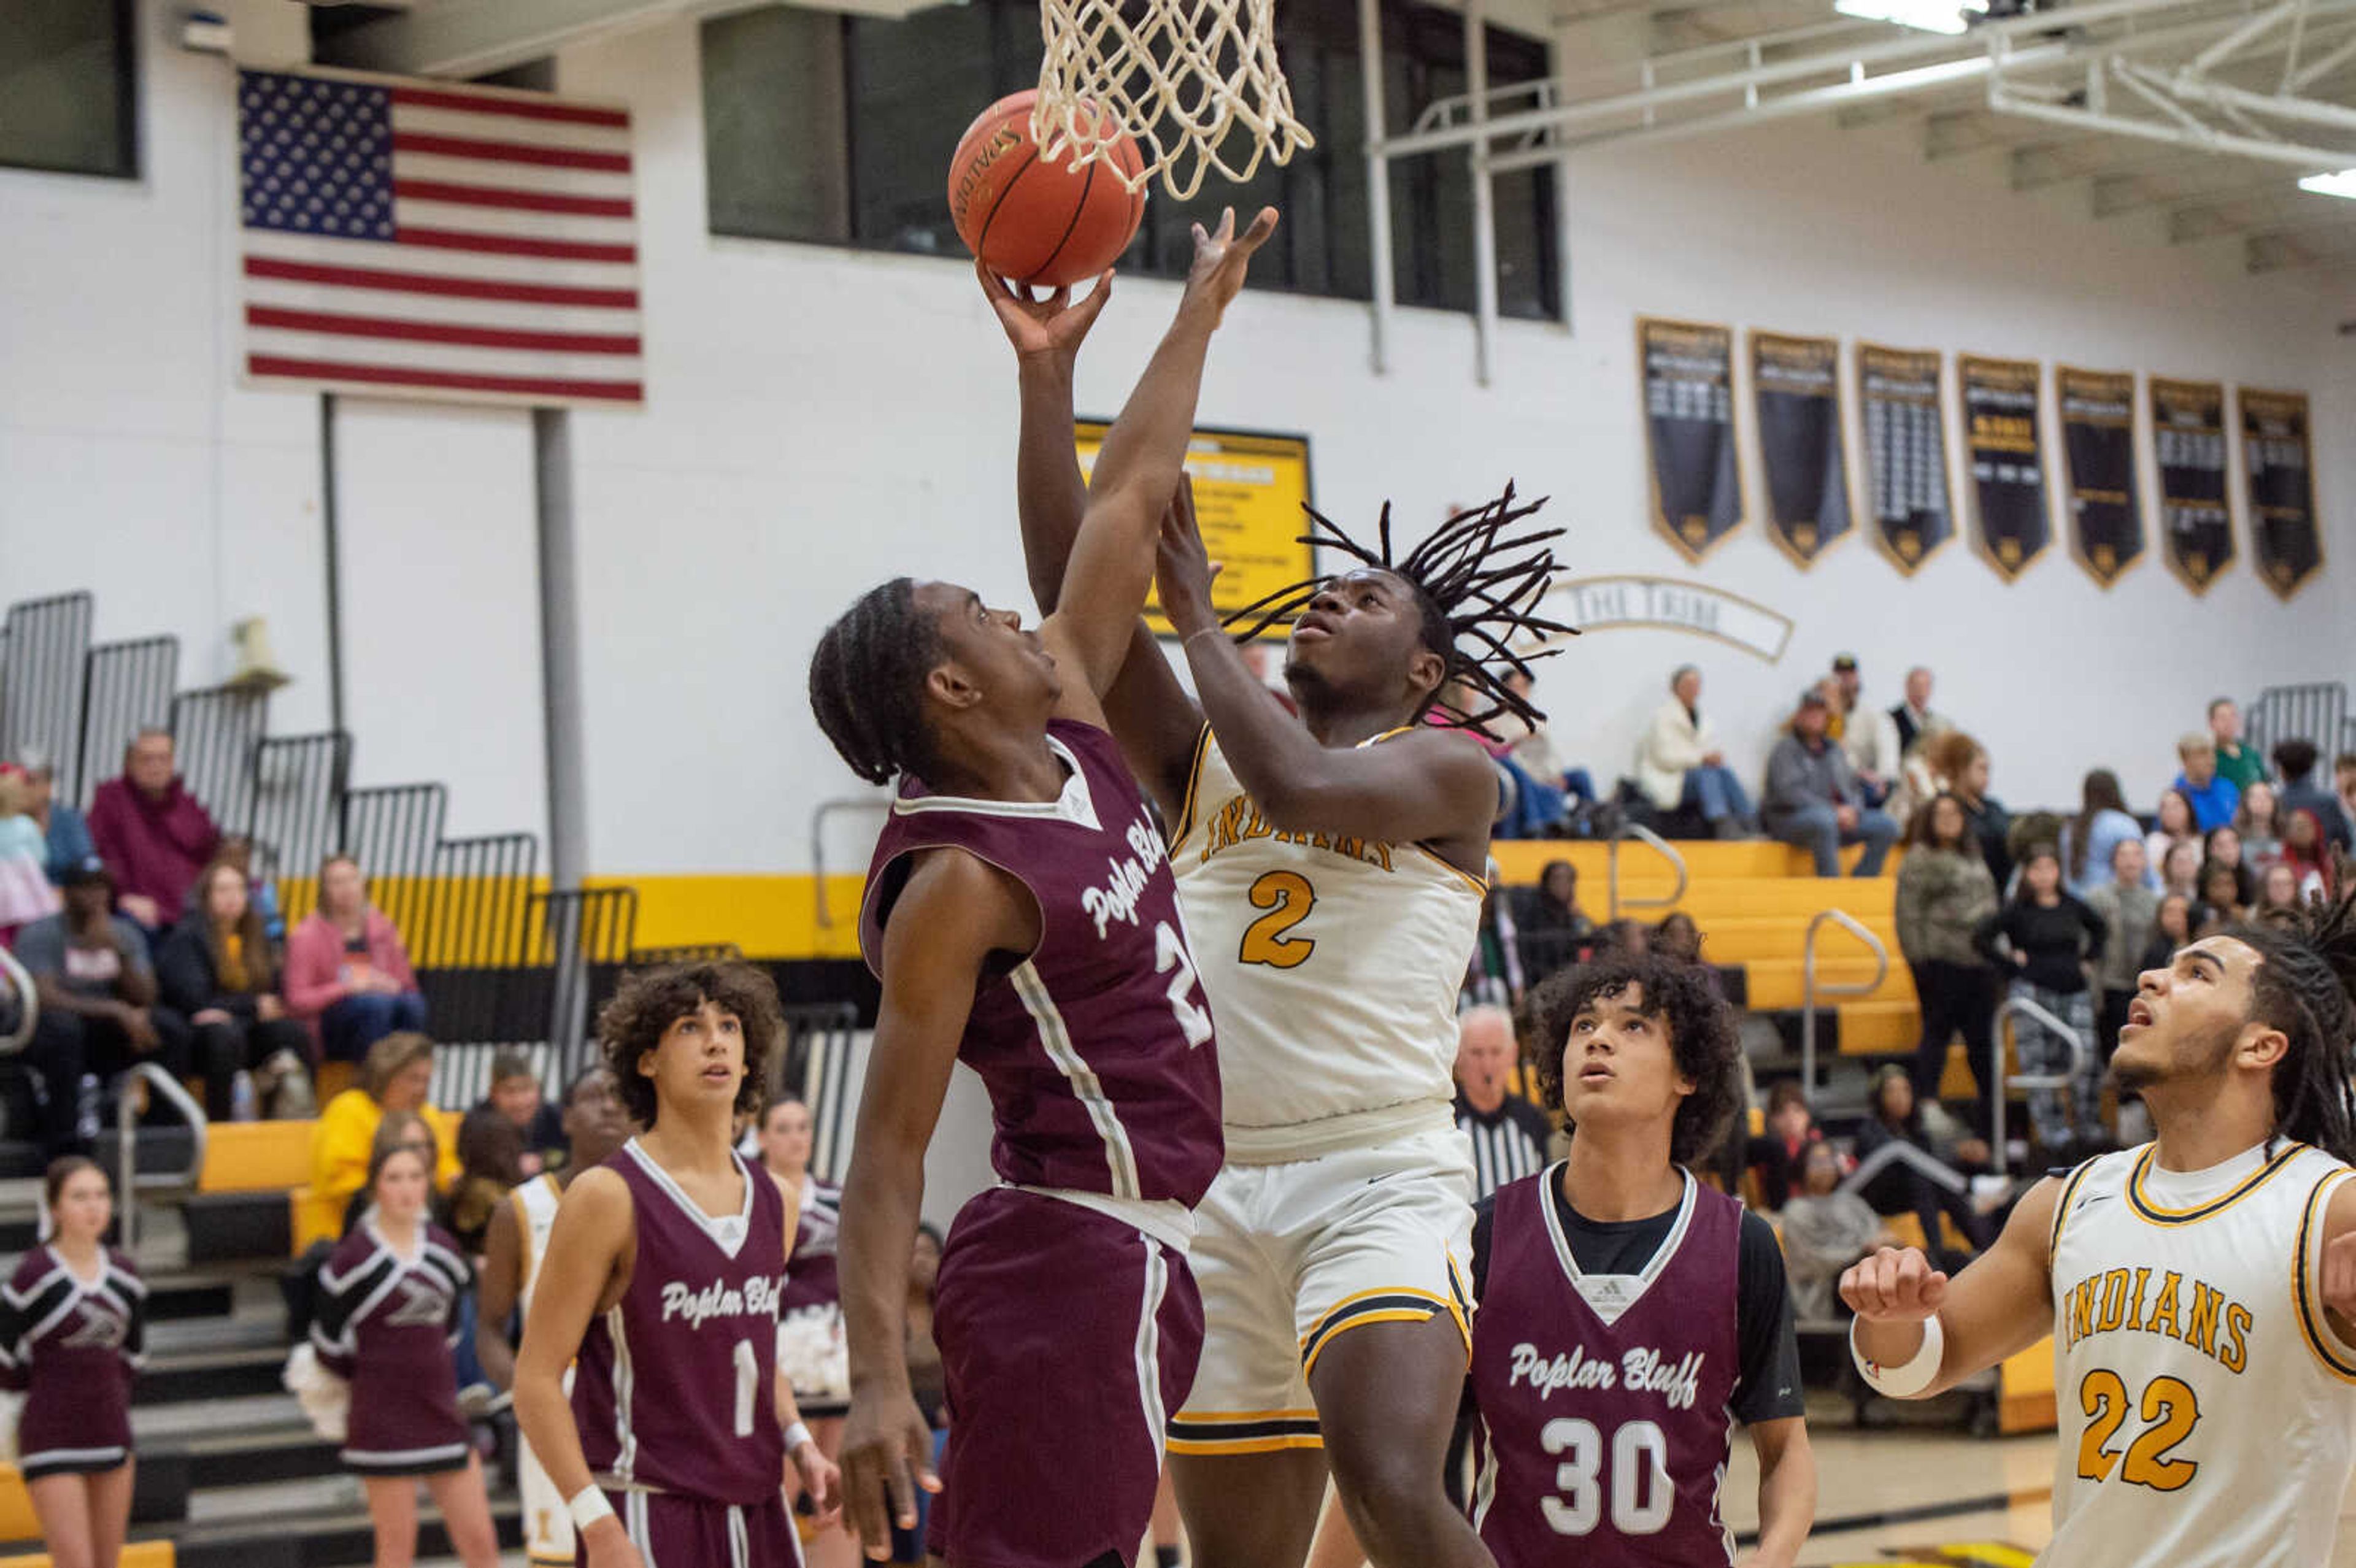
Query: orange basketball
{"points": [[1034, 221]]}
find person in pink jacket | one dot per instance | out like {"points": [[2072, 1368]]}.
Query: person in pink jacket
{"points": [[348, 973]]}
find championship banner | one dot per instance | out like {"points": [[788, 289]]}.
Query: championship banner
{"points": [[2196, 521], [1689, 431], [2099, 483], [1905, 452], [1796, 389], [1249, 489], [2275, 463], [2003, 402]]}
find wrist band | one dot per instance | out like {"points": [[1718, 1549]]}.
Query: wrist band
{"points": [[1206, 632], [587, 1506], [795, 1436], [1906, 1382]]}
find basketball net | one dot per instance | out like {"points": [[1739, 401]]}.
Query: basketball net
{"points": [[1178, 79]]}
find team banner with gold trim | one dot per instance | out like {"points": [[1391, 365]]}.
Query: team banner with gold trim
{"points": [[1249, 489], [2003, 405], [1796, 392], [2099, 469], [1689, 431], [1905, 452], [2277, 463], [2196, 521]]}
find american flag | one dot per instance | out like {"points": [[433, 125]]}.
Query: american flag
{"points": [[414, 239]]}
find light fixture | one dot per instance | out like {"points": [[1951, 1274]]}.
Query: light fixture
{"points": [[1928, 16], [2342, 184]]}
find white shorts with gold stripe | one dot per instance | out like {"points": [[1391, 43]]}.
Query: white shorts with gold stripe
{"points": [[1289, 1256]]}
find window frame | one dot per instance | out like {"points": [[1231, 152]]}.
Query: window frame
{"points": [[129, 144]]}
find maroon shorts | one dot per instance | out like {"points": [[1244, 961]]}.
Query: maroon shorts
{"points": [[671, 1529], [1066, 1337]]}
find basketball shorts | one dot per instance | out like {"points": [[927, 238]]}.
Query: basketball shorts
{"points": [[671, 1529], [547, 1524], [1289, 1256], [1065, 1337]]}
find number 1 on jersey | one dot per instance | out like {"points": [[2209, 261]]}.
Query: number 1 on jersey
{"points": [[748, 1379]]}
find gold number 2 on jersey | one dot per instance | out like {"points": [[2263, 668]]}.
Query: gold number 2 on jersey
{"points": [[1287, 898], [2171, 1411]]}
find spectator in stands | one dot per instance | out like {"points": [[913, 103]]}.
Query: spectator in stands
{"points": [[347, 972], [2224, 848], [396, 1079], [2179, 919], [1945, 894], [217, 970], [1678, 936], [2259, 822], [237, 849], [97, 990], [490, 1165], [2237, 765], [1681, 767], [1509, 1135], [2343, 781], [66, 829], [1961, 766], [1633, 937], [1568, 790], [1868, 738], [2129, 909], [2215, 797], [2305, 851], [2089, 839], [25, 895], [1824, 1230], [1775, 1155], [1894, 1114], [515, 1094], [1494, 976], [1814, 801], [2279, 891], [1913, 718], [2046, 939], [2295, 759], [153, 834], [2221, 891], [1554, 930], [2180, 872], [2175, 823]]}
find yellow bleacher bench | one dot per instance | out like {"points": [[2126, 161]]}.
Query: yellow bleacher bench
{"points": [[136, 1555], [255, 1157]]}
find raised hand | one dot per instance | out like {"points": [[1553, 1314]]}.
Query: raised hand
{"points": [[1182, 572], [1221, 258], [1048, 324], [886, 1454], [1895, 1287]]}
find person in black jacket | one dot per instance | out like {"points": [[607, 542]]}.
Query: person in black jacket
{"points": [[218, 970], [2048, 941]]}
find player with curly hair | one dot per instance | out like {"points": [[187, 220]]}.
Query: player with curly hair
{"points": [[663, 1273], [1630, 1314]]}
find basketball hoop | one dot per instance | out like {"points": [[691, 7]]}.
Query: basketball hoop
{"points": [[1180, 78]]}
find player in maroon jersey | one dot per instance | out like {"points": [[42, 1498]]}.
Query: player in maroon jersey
{"points": [[71, 1335], [1021, 915], [1629, 1314], [664, 1271]]}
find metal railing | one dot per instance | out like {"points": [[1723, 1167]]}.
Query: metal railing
{"points": [[1667, 850], [28, 997], [1811, 988], [2316, 711], [129, 1181], [827, 808], [1933, 1171], [44, 682], [2021, 1007]]}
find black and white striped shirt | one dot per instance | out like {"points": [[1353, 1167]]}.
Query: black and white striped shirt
{"points": [[1508, 1143]]}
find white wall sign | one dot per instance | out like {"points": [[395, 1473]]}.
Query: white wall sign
{"points": [[1598, 604]]}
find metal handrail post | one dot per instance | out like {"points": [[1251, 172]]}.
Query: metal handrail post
{"points": [[129, 1182], [1665, 849], [1810, 989], [827, 808], [1998, 1083], [28, 993]]}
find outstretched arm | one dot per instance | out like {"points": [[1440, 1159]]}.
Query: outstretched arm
{"points": [[1428, 784], [1149, 713], [1999, 1306], [1143, 457]]}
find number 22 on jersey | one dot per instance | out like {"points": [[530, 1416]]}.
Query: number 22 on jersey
{"points": [[2169, 1412]]}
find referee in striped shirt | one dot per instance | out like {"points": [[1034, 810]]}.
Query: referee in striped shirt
{"points": [[1509, 1135]]}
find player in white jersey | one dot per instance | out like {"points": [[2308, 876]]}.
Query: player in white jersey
{"points": [[2201, 1290], [1330, 870], [596, 1126]]}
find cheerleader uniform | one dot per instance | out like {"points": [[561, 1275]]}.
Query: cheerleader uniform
{"points": [[68, 1348], [811, 1347], [386, 1325]]}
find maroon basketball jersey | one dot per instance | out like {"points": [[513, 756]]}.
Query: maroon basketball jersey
{"points": [[676, 1386], [1604, 1398], [1096, 1048]]}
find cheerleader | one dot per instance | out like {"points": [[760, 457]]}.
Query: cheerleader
{"points": [[71, 1329], [376, 1374], [811, 1350]]}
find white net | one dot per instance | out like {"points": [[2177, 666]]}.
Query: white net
{"points": [[1184, 78]]}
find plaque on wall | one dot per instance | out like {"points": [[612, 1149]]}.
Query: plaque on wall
{"points": [[1689, 431], [1796, 389], [2099, 469], [2196, 521], [2003, 423], [1905, 452], [2276, 462]]}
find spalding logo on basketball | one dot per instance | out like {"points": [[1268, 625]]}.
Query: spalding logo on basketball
{"points": [[1034, 221]]}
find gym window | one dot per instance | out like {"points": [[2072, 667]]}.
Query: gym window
{"points": [[830, 129], [68, 98]]}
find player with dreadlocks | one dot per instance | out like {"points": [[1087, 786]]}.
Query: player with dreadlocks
{"points": [[1331, 870], [2201, 1290]]}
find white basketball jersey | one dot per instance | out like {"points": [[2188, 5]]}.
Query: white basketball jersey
{"points": [[2207, 1413], [1332, 964], [547, 1524]]}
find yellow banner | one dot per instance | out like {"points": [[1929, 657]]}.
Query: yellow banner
{"points": [[1249, 489]]}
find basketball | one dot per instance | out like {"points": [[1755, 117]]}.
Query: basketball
{"points": [[1034, 221]]}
